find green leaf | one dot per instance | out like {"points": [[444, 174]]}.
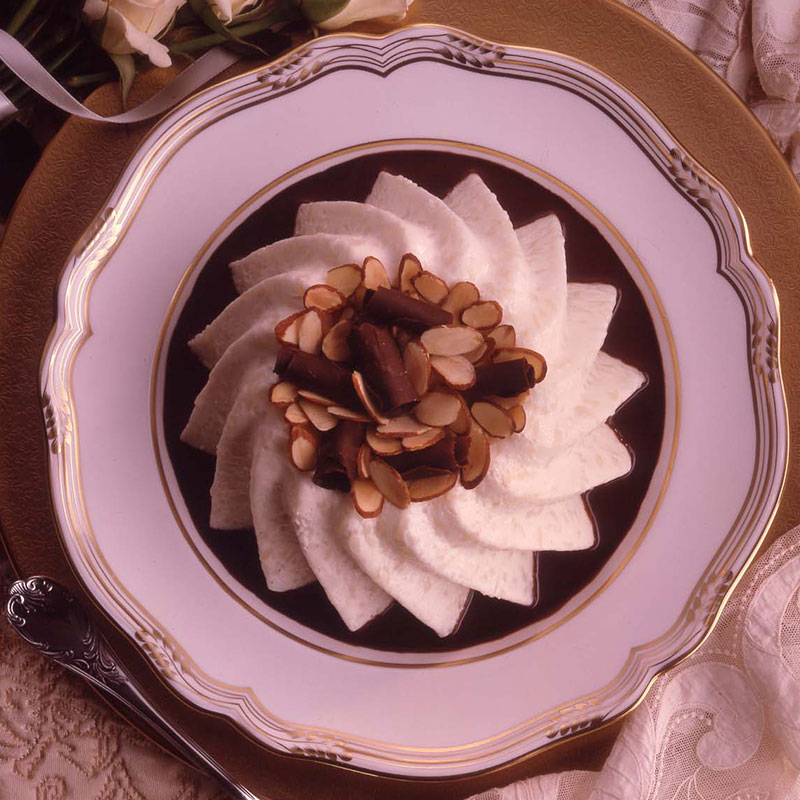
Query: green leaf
{"points": [[126, 67], [319, 10], [206, 13], [19, 19]]}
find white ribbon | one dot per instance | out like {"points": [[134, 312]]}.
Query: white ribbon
{"points": [[31, 72]]}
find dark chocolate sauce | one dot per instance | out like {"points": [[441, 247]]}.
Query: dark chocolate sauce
{"points": [[631, 337]]}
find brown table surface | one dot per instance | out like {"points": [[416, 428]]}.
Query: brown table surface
{"points": [[81, 164]]}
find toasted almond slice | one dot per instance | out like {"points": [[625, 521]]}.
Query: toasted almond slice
{"points": [[334, 345], [322, 297], [437, 409], [408, 270], [451, 340], [429, 488], [463, 422], [288, 330], [319, 399], [462, 295], [400, 427], [309, 337], [282, 394], [457, 371], [367, 500], [303, 443], [295, 415], [423, 440], [373, 274], [478, 458], [364, 396], [418, 366], [431, 287], [319, 416], [483, 315], [364, 457], [518, 418], [479, 352], [508, 402], [503, 336], [495, 421], [349, 414], [357, 298], [536, 360], [344, 279], [389, 483], [384, 447]]}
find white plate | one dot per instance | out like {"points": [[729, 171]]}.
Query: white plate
{"points": [[715, 487]]}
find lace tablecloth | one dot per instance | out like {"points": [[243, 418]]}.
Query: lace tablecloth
{"points": [[725, 724]]}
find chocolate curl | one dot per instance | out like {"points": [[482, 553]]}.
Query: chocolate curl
{"points": [[439, 456], [337, 459], [397, 308], [377, 358], [505, 379], [317, 374]]}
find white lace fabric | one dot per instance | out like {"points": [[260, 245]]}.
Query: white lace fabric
{"points": [[723, 725]]}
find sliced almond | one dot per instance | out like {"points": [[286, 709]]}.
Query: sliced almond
{"points": [[349, 414], [518, 418], [373, 274], [309, 337], [287, 330], [364, 456], [478, 458], [366, 399], [428, 488], [451, 340], [344, 279], [384, 447], [321, 297], [303, 445], [334, 345], [357, 298], [495, 421], [503, 336], [295, 415], [423, 440], [319, 416], [463, 422], [457, 371], [437, 409], [462, 295], [418, 366], [400, 427], [431, 287], [509, 402], [319, 399], [479, 353], [282, 394], [536, 360], [483, 315], [367, 500], [408, 270], [389, 483]]}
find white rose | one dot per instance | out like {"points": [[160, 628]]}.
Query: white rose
{"points": [[330, 15], [226, 10], [130, 26]]}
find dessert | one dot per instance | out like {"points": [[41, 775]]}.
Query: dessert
{"points": [[429, 555]]}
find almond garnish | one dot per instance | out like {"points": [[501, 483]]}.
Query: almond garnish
{"points": [[288, 330], [478, 458], [431, 287], [418, 366], [483, 316], [373, 274], [364, 457], [461, 296], [314, 397], [408, 270], [295, 415], [322, 297], [389, 483], [282, 394], [438, 409], [349, 414], [367, 500], [503, 336], [309, 337], [364, 396], [536, 360], [334, 345], [303, 445], [518, 418], [384, 447], [481, 352], [451, 340], [423, 440], [344, 279], [319, 416], [400, 427], [457, 371], [429, 488], [509, 402], [463, 422], [495, 421]]}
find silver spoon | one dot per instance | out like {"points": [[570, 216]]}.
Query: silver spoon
{"points": [[47, 616]]}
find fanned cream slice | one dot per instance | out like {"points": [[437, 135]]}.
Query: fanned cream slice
{"points": [[430, 556]]}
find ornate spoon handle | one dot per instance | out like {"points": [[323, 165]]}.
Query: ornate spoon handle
{"points": [[47, 616]]}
